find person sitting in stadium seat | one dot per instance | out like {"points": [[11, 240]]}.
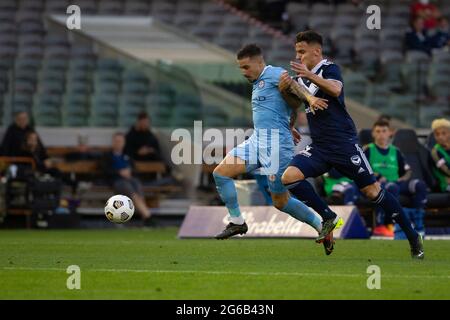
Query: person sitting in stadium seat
{"points": [[15, 135], [427, 11], [141, 143], [441, 36], [118, 169], [417, 38], [32, 148], [391, 170], [441, 153]]}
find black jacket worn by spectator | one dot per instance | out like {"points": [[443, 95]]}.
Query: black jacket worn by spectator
{"points": [[39, 156], [14, 139], [137, 139], [417, 41]]}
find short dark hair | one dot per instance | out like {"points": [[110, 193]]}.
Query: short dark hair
{"points": [[249, 51], [384, 117], [381, 123], [309, 36], [142, 115]]}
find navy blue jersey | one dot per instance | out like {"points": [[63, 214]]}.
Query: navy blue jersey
{"points": [[333, 126]]}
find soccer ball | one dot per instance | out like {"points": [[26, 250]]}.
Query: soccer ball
{"points": [[119, 209]]}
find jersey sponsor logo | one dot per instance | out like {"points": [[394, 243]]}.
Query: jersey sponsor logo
{"points": [[261, 84], [356, 160]]}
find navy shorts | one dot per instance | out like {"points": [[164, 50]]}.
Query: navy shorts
{"points": [[349, 159]]}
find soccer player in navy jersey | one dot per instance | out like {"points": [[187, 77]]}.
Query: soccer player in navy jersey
{"points": [[335, 142]]}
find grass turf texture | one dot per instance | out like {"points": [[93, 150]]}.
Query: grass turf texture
{"points": [[154, 264]]}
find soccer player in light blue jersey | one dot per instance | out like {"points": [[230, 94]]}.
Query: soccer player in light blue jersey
{"points": [[269, 149]]}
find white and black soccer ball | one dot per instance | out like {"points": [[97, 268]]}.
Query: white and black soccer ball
{"points": [[119, 209]]}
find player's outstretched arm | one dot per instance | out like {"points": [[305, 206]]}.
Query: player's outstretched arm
{"points": [[331, 87], [289, 85]]}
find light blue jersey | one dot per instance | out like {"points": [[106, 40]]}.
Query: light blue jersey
{"points": [[271, 145], [270, 110]]}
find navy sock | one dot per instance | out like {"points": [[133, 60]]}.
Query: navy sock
{"points": [[420, 194], [303, 191], [392, 207]]}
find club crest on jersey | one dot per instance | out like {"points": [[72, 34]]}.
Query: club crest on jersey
{"points": [[261, 84], [356, 160]]}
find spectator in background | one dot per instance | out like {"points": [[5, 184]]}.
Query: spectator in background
{"points": [[141, 143], [417, 39], [118, 168], [15, 135], [391, 169], [441, 153], [427, 11], [441, 36], [387, 118], [32, 148]]}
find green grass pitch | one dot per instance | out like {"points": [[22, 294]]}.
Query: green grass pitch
{"points": [[154, 264]]}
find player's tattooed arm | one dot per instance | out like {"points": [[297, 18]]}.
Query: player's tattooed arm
{"points": [[291, 99], [292, 122], [293, 119], [287, 84]]}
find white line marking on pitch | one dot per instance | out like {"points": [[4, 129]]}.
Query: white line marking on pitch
{"points": [[243, 273]]}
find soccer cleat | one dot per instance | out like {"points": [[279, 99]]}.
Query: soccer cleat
{"points": [[231, 230], [328, 244], [417, 251], [383, 231], [328, 226]]}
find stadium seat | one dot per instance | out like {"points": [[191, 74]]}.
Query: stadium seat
{"points": [[402, 107], [377, 96], [57, 6], [438, 80], [429, 112], [110, 7], [81, 87], [28, 64], [391, 67], [137, 7], [416, 155], [355, 85], [74, 110], [186, 20], [55, 64]]}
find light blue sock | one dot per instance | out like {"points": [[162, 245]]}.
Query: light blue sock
{"points": [[227, 191], [300, 211]]}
